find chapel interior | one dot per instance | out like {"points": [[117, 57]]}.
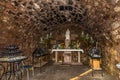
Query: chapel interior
{"points": [[59, 39]]}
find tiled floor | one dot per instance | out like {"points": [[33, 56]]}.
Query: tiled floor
{"points": [[68, 72]]}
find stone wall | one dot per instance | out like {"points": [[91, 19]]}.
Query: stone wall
{"points": [[111, 52], [13, 34], [110, 59]]}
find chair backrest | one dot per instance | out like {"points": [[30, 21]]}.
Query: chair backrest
{"points": [[40, 52]]}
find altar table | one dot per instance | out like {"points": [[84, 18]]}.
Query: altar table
{"points": [[67, 50]]}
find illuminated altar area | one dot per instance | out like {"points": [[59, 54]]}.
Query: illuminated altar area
{"points": [[67, 51]]}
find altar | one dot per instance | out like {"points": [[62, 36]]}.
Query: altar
{"points": [[68, 51]]}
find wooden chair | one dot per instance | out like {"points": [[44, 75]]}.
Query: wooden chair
{"points": [[27, 67]]}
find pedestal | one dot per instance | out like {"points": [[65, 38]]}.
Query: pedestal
{"points": [[67, 54], [95, 63], [67, 57], [67, 41]]}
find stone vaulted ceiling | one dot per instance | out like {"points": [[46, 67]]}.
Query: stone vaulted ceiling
{"points": [[96, 17], [23, 22]]}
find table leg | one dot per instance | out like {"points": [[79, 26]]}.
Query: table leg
{"points": [[79, 61], [40, 63], [56, 56], [10, 75]]}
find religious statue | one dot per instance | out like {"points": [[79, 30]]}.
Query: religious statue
{"points": [[67, 34], [67, 54]]}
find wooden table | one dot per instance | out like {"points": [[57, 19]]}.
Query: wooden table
{"points": [[67, 50]]}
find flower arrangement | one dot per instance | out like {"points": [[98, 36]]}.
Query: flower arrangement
{"points": [[71, 44], [61, 45], [74, 44]]}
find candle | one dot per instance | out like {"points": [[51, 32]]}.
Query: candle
{"points": [[41, 39]]}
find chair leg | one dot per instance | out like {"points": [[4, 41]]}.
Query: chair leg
{"points": [[28, 75], [33, 72], [92, 68]]}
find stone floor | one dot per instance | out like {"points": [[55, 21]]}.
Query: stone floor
{"points": [[68, 72]]}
